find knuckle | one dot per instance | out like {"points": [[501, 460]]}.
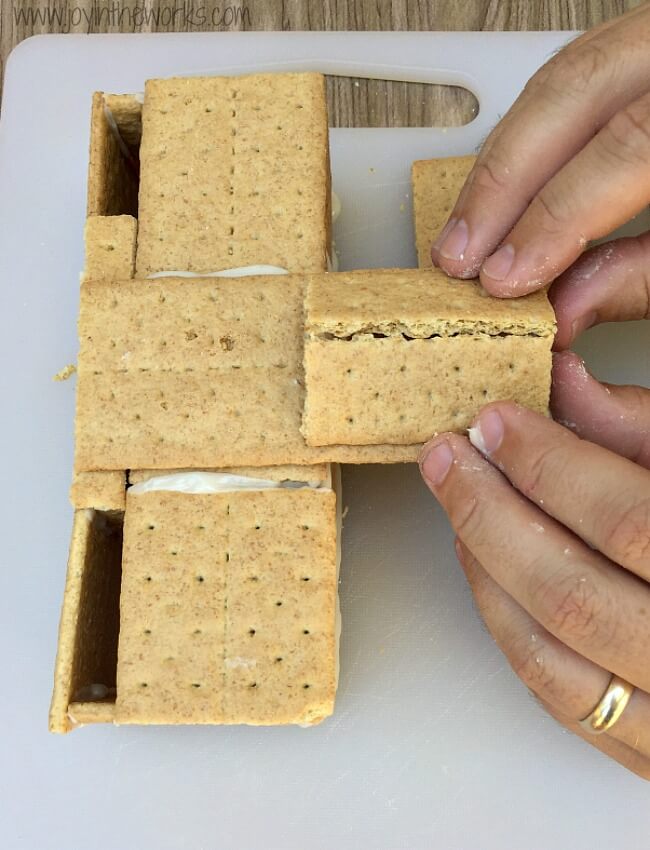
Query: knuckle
{"points": [[574, 608], [551, 211], [490, 174], [467, 518], [541, 468], [628, 537], [570, 74], [626, 136], [530, 661]]}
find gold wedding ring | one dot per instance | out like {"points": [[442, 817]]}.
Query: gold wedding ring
{"points": [[610, 707]]}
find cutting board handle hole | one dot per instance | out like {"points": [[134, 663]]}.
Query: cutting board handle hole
{"points": [[369, 102]]}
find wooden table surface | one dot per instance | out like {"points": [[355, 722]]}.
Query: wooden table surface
{"points": [[353, 103]]}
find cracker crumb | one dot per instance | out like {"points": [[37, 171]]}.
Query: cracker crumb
{"points": [[65, 373]]}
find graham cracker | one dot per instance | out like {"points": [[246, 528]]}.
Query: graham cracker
{"points": [[197, 373], [110, 247], [228, 608], [234, 172], [88, 631], [436, 186], [103, 490], [112, 175], [417, 303], [396, 356]]}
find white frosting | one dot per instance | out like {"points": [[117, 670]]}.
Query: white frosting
{"points": [[476, 439], [241, 271], [336, 206], [332, 261], [213, 482], [116, 132]]}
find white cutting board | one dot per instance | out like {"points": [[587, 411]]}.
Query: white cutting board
{"points": [[434, 743]]}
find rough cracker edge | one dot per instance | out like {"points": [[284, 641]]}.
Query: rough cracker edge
{"points": [[59, 721], [308, 456]]}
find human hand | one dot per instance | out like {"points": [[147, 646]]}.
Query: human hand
{"points": [[553, 533], [569, 163]]}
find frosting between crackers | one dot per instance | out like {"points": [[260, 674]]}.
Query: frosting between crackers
{"points": [[241, 271], [215, 482]]}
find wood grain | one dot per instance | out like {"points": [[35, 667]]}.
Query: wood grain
{"points": [[353, 103]]}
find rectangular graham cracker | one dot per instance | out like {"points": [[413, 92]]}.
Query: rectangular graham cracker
{"points": [[396, 356], [197, 373], [88, 633], [234, 171], [228, 608], [112, 169], [436, 186], [110, 247], [103, 490]]}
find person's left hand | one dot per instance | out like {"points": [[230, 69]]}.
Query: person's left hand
{"points": [[554, 538]]}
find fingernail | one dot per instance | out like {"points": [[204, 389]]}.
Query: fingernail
{"points": [[487, 434], [443, 233], [454, 244], [500, 263], [436, 464], [582, 324]]}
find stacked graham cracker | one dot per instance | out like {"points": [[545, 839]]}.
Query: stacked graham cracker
{"points": [[203, 571]]}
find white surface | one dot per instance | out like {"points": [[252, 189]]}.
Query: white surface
{"points": [[434, 742]]}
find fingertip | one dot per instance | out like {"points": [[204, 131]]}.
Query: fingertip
{"points": [[466, 269], [435, 462], [505, 288], [569, 369], [571, 384], [440, 238]]}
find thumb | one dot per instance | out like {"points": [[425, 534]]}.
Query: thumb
{"points": [[615, 417]]}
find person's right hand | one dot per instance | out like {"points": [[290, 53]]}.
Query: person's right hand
{"points": [[569, 163]]}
